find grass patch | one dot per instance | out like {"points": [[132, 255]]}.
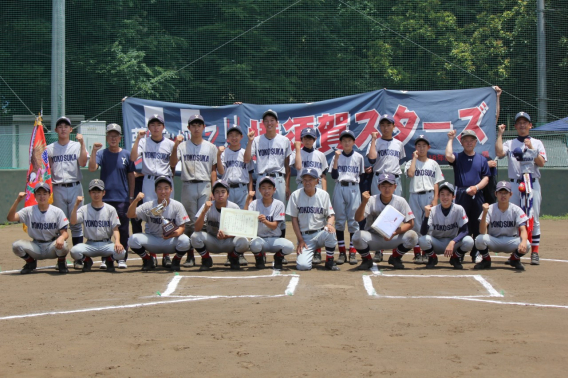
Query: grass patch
{"points": [[554, 217]]}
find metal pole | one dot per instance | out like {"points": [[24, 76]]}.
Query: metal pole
{"points": [[57, 61], [541, 63]]}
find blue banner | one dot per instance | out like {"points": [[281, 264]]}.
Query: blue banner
{"points": [[429, 113]]}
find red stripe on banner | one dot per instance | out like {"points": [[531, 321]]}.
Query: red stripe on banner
{"points": [[437, 126]]}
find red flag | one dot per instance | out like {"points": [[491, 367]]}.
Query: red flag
{"points": [[39, 170]]}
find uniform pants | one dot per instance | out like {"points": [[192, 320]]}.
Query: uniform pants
{"points": [[193, 197], [314, 241], [439, 245], [239, 195], [345, 202], [95, 249], [149, 189], [375, 186], [38, 251], [64, 198], [417, 202], [155, 244], [201, 239], [365, 239], [272, 244], [506, 244], [537, 199]]}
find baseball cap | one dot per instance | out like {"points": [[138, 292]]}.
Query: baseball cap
{"points": [[347, 133], [308, 131], [447, 185], [388, 117], [163, 179], [470, 133], [195, 118], [234, 128], [267, 179], [523, 115], [63, 119], [270, 112], [387, 177], [503, 185], [42, 185], [310, 172], [114, 127], [156, 117], [97, 183], [220, 183], [421, 138]]}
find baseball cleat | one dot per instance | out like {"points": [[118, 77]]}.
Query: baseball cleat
{"points": [[175, 265], [484, 264], [352, 259], [228, 262], [78, 264], [396, 262], [148, 264], [234, 261], [342, 258], [166, 262], [456, 262], [110, 266], [508, 262], [535, 260], [432, 262], [259, 262], [517, 264], [206, 264], [29, 267], [330, 265], [366, 264], [378, 257], [284, 261], [103, 264], [122, 264], [317, 258], [87, 264], [278, 262], [242, 260], [189, 262], [62, 267]]}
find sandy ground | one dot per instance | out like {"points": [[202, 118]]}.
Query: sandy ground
{"points": [[221, 323]]}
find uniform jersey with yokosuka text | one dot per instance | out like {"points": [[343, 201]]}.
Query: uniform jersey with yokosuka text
{"points": [[389, 153], [515, 172], [270, 154], [504, 223], [155, 156], [350, 167], [446, 226], [375, 206], [310, 159], [174, 211], [236, 170], [312, 212], [197, 160], [212, 220], [98, 223], [43, 225], [426, 175], [64, 162], [275, 212]]}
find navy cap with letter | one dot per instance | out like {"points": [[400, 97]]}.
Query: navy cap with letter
{"points": [[114, 127], [387, 117], [63, 120], [387, 177], [267, 179], [421, 138], [524, 115], [270, 112], [347, 133], [97, 183], [195, 118], [42, 185], [448, 186], [234, 128], [503, 185], [309, 172], [163, 179], [308, 131], [156, 117], [222, 183], [470, 133]]}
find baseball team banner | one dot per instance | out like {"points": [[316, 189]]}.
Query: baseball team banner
{"points": [[429, 113]]}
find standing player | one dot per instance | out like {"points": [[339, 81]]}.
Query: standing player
{"points": [[214, 240], [272, 212], [313, 221], [155, 152], [47, 226], [348, 165], [100, 222], [65, 159], [444, 230], [502, 229], [117, 172], [471, 174], [309, 157], [154, 240], [198, 170], [403, 239], [525, 155], [424, 174]]}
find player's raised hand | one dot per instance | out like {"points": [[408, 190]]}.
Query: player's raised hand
{"points": [[297, 145], [485, 207], [139, 197], [498, 90], [21, 196], [208, 205], [337, 154], [528, 143], [427, 210], [79, 138], [251, 135], [220, 150], [451, 134], [415, 155], [78, 200], [251, 194], [97, 146], [178, 140], [374, 135], [492, 164], [365, 196], [141, 134], [501, 129]]}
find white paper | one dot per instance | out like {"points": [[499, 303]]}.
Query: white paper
{"points": [[388, 221], [237, 222]]}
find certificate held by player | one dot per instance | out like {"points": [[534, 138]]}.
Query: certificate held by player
{"points": [[387, 222], [236, 222]]}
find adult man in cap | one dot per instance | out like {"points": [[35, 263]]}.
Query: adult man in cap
{"points": [[471, 174], [117, 172], [525, 155]]}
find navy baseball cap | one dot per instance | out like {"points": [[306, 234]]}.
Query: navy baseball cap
{"points": [[308, 131], [421, 138], [195, 118], [347, 133], [310, 172], [470, 133], [163, 179], [234, 128], [387, 177], [114, 127], [156, 117], [64, 120], [269, 180], [222, 183], [447, 185], [388, 117], [524, 115], [270, 112], [503, 185], [42, 185], [97, 183]]}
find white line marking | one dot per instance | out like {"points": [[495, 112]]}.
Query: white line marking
{"points": [[487, 286], [368, 283], [292, 285], [172, 286], [513, 303], [226, 296]]}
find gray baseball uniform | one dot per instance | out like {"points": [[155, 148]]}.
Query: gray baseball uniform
{"points": [[502, 229], [312, 213], [98, 226], [66, 178], [310, 159], [155, 163], [444, 228], [269, 240], [389, 153], [346, 194], [197, 161], [236, 175], [43, 228]]}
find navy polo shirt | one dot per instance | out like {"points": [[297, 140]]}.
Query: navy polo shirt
{"points": [[469, 170], [115, 167]]}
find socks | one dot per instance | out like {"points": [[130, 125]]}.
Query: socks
{"points": [[329, 252], [340, 240], [351, 248], [485, 254], [365, 254], [203, 253]]}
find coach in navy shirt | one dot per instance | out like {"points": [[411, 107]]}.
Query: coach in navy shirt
{"points": [[117, 172], [471, 175]]}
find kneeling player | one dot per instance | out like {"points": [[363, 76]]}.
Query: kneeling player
{"points": [[47, 226], [403, 239], [100, 223], [272, 212], [444, 230], [214, 240], [310, 209], [154, 240], [502, 228]]}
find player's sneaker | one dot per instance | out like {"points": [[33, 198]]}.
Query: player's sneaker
{"points": [[535, 260], [259, 262], [484, 264], [353, 259], [517, 264], [78, 264], [234, 261], [366, 264], [122, 264], [284, 261], [110, 266], [478, 258], [87, 264], [456, 262], [378, 257], [432, 262], [278, 262], [166, 262], [148, 264], [206, 264], [330, 265], [175, 265], [103, 264], [342, 258], [396, 262], [317, 258], [417, 259], [189, 262], [29, 267], [62, 266], [242, 260]]}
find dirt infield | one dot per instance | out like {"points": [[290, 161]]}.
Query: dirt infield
{"points": [[318, 323]]}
